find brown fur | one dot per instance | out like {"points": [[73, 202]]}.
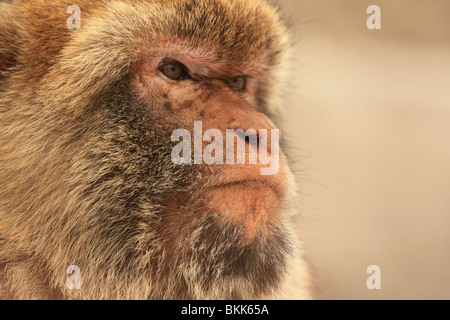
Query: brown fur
{"points": [[85, 170]]}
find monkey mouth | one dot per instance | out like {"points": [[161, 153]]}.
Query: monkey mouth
{"points": [[267, 183], [252, 204], [244, 175]]}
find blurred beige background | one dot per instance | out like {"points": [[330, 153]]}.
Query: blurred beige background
{"points": [[369, 120]]}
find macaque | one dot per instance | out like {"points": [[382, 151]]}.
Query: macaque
{"points": [[86, 175]]}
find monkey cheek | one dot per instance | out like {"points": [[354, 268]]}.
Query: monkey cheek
{"points": [[251, 205]]}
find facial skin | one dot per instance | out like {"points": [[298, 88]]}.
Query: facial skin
{"points": [[85, 152]]}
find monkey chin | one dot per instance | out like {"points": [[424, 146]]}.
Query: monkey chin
{"points": [[236, 242], [253, 205]]}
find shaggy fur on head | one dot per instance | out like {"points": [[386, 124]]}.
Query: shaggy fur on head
{"points": [[85, 166]]}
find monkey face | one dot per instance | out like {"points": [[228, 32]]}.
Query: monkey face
{"points": [[228, 217], [102, 189], [240, 191]]}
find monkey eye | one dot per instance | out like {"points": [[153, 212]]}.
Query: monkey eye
{"points": [[174, 70], [237, 84]]}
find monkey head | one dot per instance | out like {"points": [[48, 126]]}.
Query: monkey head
{"points": [[86, 151]]}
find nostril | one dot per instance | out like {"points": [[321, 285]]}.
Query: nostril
{"points": [[251, 136], [252, 140]]}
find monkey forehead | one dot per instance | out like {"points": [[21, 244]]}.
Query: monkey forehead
{"points": [[234, 28], [233, 31]]}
